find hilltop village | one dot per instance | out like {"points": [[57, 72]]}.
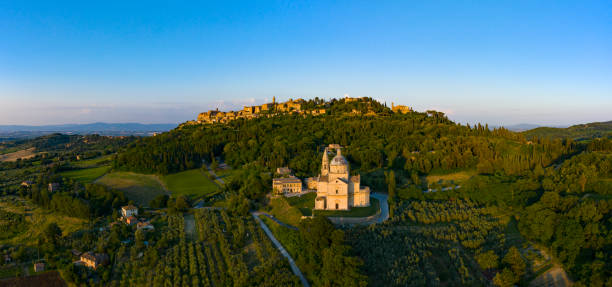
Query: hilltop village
{"points": [[298, 106]]}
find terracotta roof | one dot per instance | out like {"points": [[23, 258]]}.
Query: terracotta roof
{"points": [[287, 180], [129, 207]]}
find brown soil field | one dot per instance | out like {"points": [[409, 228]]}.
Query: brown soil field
{"points": [[48, 279], [13, 156]]}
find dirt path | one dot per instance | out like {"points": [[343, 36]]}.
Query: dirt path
{"points": [[190, 226], [554, 277]]}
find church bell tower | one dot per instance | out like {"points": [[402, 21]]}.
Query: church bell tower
{"points": [[325, 164]]}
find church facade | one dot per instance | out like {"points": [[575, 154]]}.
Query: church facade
{"points": [[336, 189]]}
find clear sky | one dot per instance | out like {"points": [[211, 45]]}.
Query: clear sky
{"points": [[496, 62]]}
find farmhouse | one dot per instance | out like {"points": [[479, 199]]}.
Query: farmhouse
{"points": [[129, 210], [92, 260], [287, 185]]}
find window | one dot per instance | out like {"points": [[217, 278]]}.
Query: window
{"points": [[336, 206]]}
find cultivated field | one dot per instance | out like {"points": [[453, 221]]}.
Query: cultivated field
{"points": [[86, 175], [92, 162], [23, 154], [141, 188], [47, 279], [193, 183]]}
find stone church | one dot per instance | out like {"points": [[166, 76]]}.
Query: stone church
{"points": [[336, 189]]}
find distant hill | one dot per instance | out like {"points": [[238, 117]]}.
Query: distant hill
{"points": [[108, 129], [522, 127], [577, 132]]}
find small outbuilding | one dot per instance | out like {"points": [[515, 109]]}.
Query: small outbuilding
{"points": [[39, 267]]}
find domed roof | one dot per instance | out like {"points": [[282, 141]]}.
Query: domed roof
{"points": [[339, 160]]}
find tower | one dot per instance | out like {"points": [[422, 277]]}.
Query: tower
{"points": [[325, 164]]}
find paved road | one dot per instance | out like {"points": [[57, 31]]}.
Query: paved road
{"points": [[275, 219], [282, 250], [212, 172], [384, 206]]}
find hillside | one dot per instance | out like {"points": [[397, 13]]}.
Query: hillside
{"points": [[577, 132]]}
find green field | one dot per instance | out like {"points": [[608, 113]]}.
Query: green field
{"points": [[281, 209], [225, 174], [86, 175], [304, 203], [354, 212], [194, 183], [141, 188], [92, 162]]}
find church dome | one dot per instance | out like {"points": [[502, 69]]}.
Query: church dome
{"points": [[339, 160]]}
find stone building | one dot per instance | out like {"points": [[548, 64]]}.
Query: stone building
{"points": [[336, 189], [283, 170], [287, 185], [39, 267], [129, 210], [94, 261], [400, 109]]}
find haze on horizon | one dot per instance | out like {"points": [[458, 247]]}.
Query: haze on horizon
{"points": [[496, 62]]}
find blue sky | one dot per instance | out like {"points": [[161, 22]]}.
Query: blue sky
{"points": [[496, 62]]}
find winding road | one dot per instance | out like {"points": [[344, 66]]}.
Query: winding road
{"points": [[282, 250]]}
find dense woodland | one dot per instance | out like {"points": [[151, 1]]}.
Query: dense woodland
{"points": [[525, 196]]}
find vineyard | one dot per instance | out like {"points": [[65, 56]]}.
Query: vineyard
{"points": [[11, 224], [226, 251], [430, 243]]}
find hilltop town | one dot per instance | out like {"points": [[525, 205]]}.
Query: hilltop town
{"points": [[298, 106]]}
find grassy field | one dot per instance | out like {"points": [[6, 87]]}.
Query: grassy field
{"points": [[141, 188], [456, 177], [354, 212], [38, 219], [194, 183], [225, 174], [86, 175], [92, 162], [281, 209], [304, 203]]}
